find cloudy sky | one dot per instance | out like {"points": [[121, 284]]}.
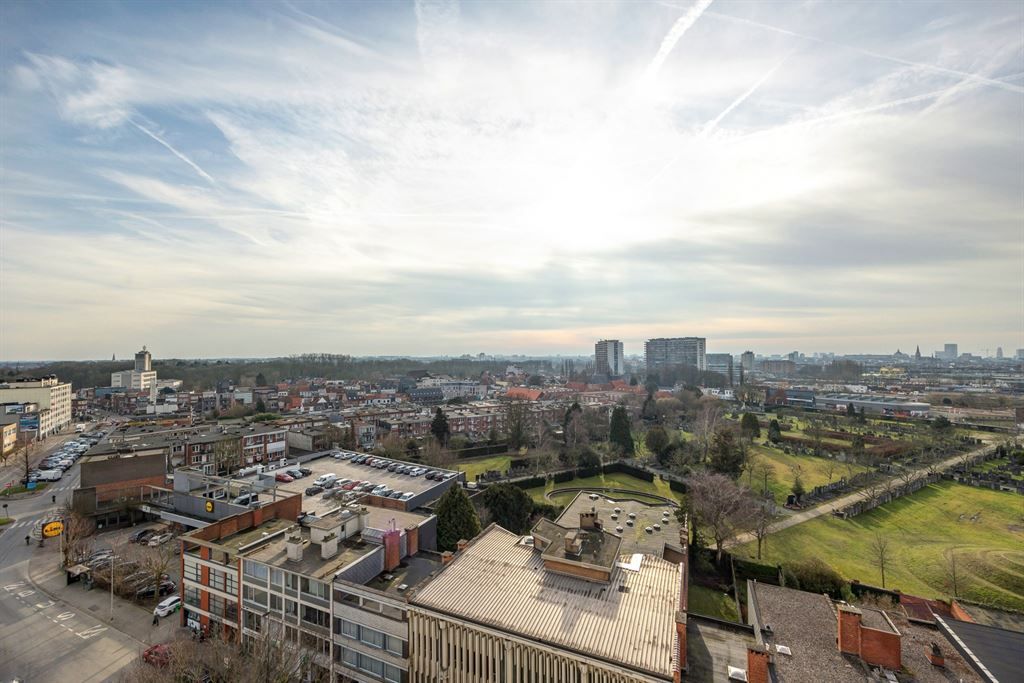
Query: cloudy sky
{"points": [[217, 179]]}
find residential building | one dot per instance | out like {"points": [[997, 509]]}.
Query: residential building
{"points": [[747, 361], [564, 607], [133, 379], [779, 368], [51, 396], [804, 636], [665, 352], [722, 364], [609, 359], [143, 361]]}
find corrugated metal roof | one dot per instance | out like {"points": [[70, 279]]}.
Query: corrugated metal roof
{"points": [[498, 582]]}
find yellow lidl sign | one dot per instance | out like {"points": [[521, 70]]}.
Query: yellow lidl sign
{"points": [[209, 506], [55, 528]]}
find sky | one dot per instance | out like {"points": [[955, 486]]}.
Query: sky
{"points": [[232, 179]]}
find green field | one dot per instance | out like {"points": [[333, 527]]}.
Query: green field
{"points": [[5, 520], [475, 466], [922, 529], [616, 480], [712, 603], [14, 490], [813, 471]]}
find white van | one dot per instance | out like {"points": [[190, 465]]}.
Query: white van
{"points": [[49, 475], [255, 469], [325, 479]]}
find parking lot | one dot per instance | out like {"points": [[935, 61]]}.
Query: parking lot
{"points": [[345, 469]]}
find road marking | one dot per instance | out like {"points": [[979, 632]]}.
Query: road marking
{"points": [[89, 633], [12, 586]]}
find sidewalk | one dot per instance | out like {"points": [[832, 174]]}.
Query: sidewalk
{"points": [[130, 619]]}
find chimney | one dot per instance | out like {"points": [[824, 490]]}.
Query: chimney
{"points": [[293, 544], [758, 661], [446, 557], [589, 520], [574, 543], [849, 629], [935, 655], [329, 546], [392, 549], [412, 539], [461, 545]]}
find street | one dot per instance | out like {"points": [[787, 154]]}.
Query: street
{"points": [[44, 639]]}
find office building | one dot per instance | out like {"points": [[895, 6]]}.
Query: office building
{"points": [[667, 352], [608, 358], [722, 364], [10, 438], [567, 607], [949, 352], [51, 397]]}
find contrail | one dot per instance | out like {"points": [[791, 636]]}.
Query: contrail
{"points": [[906, 62], [175, 152], [713, 123], [681, 26]]}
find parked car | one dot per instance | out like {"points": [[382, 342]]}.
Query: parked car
{"points": [[165, 588], [159, 539], [393, 466], [141, 536], [284, 477], [246, 498], [383, 492], [406, 496], [365, 487], [395, 494], [305, 471], [168, 606], [348, 455], [432, 474], [294, 473], [324, 478], [313, 490], [351, 485]]}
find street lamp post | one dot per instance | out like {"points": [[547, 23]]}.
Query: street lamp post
{"points": [[112, 587]]}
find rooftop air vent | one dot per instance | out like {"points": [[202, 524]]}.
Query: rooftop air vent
{"points": [[402, 587]]}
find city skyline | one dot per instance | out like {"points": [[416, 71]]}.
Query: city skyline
{"points": [[434, 178]]}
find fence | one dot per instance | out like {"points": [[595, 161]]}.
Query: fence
{"points": [[889, 495]]}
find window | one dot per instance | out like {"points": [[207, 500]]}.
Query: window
{"points": [[312, 615], [291, 608], [392, 612], [350, 657], [276, 577], [255, 570], [313, 588], [321, 645], [371, 637], [349, 629], [291, 581], [191, 571], [395, 645], [192, 596], [392, 673], [254, 595], [371, 605], [276, 603]]}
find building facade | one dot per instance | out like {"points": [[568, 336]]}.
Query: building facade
{"points": [[665, 352], [722, 364], [609, 359], [51, 396]]}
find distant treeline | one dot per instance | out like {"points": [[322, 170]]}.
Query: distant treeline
{"points": [[198, 375]]}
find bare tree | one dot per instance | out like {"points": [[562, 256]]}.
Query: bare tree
{"points": [[816, 432], [155, 562], [880, 553], [705, 424], [718, 505], [760, 519], [78, 535], [951, 573], [436, 455], [24, 457], [227, 455], [765, 470], [907, 476], [871, 492], [830, 468]]}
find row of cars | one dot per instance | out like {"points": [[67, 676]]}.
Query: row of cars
{"points": [[393, 465], [130, 579], [331, 481], [53, 466]]}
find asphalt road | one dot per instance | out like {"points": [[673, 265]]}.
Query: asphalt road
{"points": [[42, 639]]}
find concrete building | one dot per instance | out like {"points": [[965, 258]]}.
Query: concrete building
{"points": [[609, 359], [565, 607], [747, 361], [664, 352], [143, 361], [51, 396], [722, 364], [133, 379], [10, 438], [949, 352]]}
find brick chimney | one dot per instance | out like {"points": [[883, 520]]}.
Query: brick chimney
{"points": [[590, 520], [758, 661], [849, 629], [412, 539]]}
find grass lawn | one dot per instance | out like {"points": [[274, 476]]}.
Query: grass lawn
{"points": [[40, 485], [922, 529], [475, 466], [814, 471], [615, 480], [990, 465], [712, 603], [5, 520]]}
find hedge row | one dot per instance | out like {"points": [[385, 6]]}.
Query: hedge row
{"points": [[677, 486], [562, 477], [532, 482], [624, 468]]}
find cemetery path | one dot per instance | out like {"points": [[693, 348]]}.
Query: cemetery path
{"points": [[827, 507]]}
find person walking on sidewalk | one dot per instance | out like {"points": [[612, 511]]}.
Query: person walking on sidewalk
{"points": [[156, 619], [26, 539]]}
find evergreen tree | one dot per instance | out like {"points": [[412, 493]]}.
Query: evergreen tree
{"points": [[619, 433], [657, 441], [798, 488], [439, 427], [851, 411], [456, 519], [774, 431], [750, 426], [261, 407], [726, 457], [510, 507], [261, 381]]}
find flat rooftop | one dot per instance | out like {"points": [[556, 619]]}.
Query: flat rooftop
{"points": [[410, 573], [614, 515], [235, 542], [711, 649], [598, 548], [500, 582], [275, 554]]}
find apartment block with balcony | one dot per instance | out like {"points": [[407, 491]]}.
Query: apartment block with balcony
{"points": [[51, 396]]}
